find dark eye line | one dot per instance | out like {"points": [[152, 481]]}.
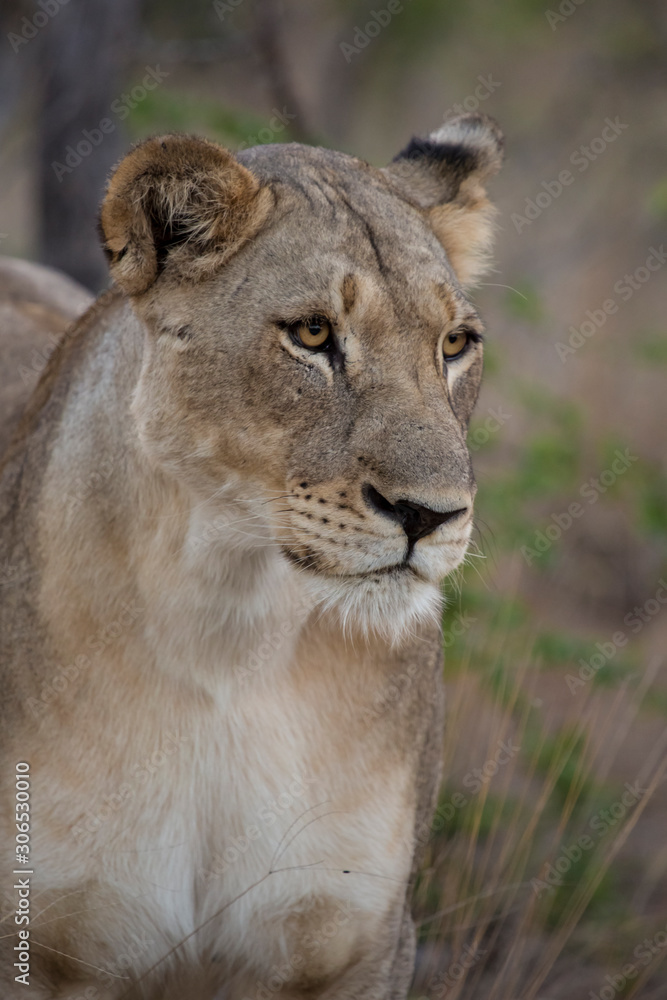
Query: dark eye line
{"points": [[475, 335], [307, 320], [330, 346]]}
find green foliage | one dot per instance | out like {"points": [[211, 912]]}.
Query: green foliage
{"points": [[650, 492], [525, 486], [652, 347], [607, 903], [559, 648], [561, 758], [480, 815], [550, 464], [165, 111], [524, 303], [492, 358], [613, 673], [657, 200]]}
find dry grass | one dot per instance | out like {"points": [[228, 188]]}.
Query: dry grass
{"points": [[493, 925]]}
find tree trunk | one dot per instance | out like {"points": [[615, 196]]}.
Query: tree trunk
{"points": [[83, 53]]}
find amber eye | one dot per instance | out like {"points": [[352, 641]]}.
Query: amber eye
{"points": [[315, 334], [454, 344]]}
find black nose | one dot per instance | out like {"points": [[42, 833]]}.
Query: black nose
{"points": [[416, 520]]}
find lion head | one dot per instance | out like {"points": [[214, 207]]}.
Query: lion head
{"points": [[310, 353]]}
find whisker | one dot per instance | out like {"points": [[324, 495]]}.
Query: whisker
{"points": [[495, 284], [266, 498], [105, 972], [292, 824], [203, 503], [53, 902], [311, 821], [283, 496], [214, 916]]}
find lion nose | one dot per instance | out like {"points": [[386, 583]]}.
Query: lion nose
{"points": [[415, 519]]}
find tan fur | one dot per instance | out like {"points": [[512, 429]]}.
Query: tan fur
{"points": [[466, 232], [187, 187], [220, 659], [36, 306]]}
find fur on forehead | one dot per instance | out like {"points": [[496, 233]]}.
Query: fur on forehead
{"points": [[182, 206]]}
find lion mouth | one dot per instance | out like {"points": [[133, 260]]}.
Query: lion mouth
{"points": [[311, 563], [396, 569]]}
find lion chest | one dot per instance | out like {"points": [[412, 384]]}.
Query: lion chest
{"points": [[270, 822], [315, 841]]}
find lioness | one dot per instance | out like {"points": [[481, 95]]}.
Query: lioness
{"points": [[224, 521]]}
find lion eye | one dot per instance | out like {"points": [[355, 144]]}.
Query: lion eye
{"points": [[314, 334], [454, 344]]}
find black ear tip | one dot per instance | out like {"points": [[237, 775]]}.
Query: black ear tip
{"points": [[435, 153], [474, 131], [464, 144]]}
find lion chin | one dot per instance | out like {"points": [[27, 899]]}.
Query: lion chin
{"points": [[390, 602], [388, 605]]}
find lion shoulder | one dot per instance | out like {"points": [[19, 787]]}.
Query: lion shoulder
{"points": [[37, 305]]}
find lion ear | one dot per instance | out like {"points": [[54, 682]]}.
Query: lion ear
{"points": [[178, 205], [446, 175]]}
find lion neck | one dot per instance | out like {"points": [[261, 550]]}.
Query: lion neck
{"points": [[215, 583], [213, 595]]}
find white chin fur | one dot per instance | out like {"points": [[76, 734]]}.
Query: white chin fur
{"points": [[389, 606]]}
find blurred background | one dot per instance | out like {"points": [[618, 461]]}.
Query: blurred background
{"points": [[556, 629]]}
